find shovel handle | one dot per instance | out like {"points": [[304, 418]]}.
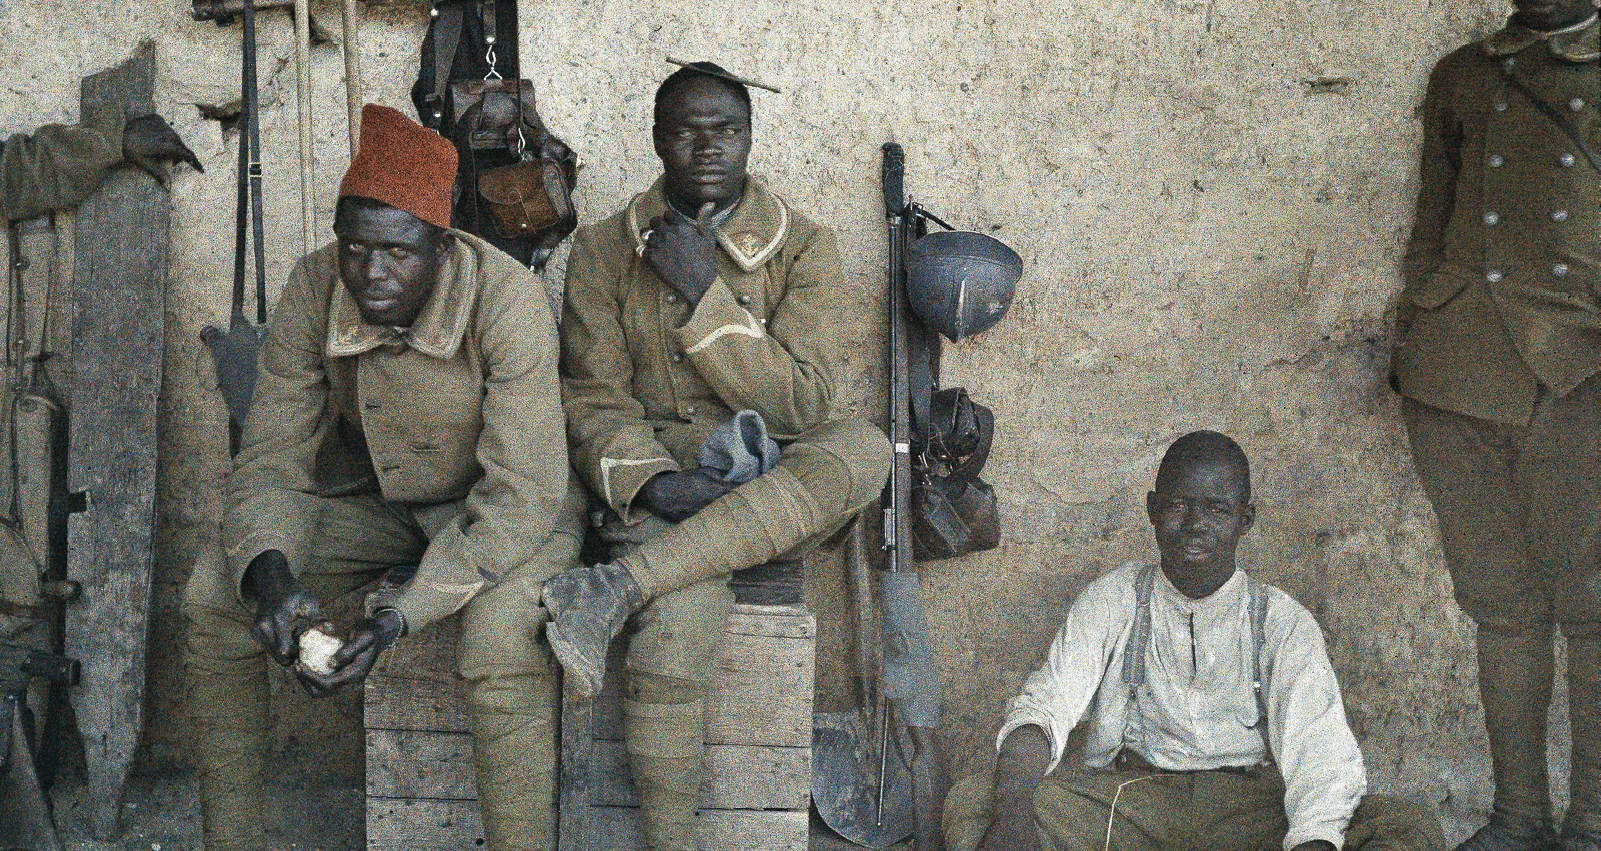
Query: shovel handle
{"points": [[350, 17]]}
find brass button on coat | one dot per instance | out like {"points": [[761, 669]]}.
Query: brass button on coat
{"points": [[1577, 104], [1496, 161], [1559, 215], [1492, 218], [1567, 160], [1560, 270]]}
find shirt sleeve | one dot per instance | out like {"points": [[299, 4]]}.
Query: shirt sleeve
{"points": [[1056, 696], [509, 512], [613, 445], [782, 367], [1324, 777], [269, 494], [58, 165]]}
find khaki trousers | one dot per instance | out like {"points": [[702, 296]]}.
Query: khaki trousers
{"points": [[1228, 810], [1520, 520], [513, 684], [824, 478]]}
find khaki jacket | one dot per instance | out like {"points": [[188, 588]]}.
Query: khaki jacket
{"points": [[645, 379], [465, 406], [1503, 265], [57, 166]]}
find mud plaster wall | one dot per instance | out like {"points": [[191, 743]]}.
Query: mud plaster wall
{"points": [[1210, 197]]}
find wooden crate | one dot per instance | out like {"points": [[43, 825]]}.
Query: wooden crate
{"points": [[420, 782]]}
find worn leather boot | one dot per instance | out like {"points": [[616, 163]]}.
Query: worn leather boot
{"points": [[588, 607], [1506, 833]]}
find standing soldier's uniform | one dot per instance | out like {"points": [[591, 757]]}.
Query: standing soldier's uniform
{"points": [[440, 445], [1500, 346], [646, 379]]}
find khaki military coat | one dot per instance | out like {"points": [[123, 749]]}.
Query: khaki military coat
{"points": [[1504, 262], [465, 406], [57, 166], [645, 378]]}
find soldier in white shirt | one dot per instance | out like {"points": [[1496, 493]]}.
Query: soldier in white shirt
{"points": [[1212, 716]]}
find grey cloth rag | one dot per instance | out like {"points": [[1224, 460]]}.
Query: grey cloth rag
{"points": [[740, 449]]}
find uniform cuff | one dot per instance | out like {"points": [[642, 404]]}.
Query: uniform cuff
{"points": [[621, 479], [718, 316], [447, 579], [1312, 833], [245, 551], [1024, 719]]}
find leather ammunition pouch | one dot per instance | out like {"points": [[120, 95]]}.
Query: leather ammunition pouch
{"points": [[534, 192], [954, 512], [516, 179]]}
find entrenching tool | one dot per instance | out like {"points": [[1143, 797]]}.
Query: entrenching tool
{"points": [[861, 785], [234, 350]]}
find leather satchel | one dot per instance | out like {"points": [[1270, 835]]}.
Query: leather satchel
{"points": [[954, 512], [533, 193], [525, 197]]}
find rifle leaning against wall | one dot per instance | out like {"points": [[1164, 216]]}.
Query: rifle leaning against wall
{"points": [[957, 283]]}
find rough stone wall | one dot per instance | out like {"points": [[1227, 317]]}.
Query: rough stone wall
{"points": [[1210, 198]]}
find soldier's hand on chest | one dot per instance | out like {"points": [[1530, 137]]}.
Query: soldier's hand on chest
{"points": [[683, 252]]}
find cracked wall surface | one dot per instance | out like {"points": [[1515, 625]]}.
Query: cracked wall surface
{"points": [[1210, 199]]}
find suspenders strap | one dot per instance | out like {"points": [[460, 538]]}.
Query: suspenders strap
{"points": [[1140, 639]]}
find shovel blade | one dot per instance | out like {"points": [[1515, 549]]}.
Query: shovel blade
{"points": [[234, 353], [845, 763]]}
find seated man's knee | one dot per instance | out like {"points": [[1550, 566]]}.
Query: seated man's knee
{"points": [[851, 456]]}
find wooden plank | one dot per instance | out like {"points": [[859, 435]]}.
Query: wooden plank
{"points": [[776, 621], [423, 825], [618, 829], [738, 777], [119, 283], [395, 703], [430, 655], [420, 764]]}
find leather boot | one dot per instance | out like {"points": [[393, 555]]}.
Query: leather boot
{"points": [[1583, 824], [666, 756], [1515, 673], [588, 608]]}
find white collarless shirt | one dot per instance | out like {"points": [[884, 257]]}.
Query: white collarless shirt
{"points": [[1197, 710]]}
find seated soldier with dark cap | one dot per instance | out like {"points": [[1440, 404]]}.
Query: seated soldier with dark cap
{"points": [[1213, 718], [407, 413], [707, 296]]}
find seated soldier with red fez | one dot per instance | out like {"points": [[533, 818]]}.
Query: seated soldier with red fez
{"points": [[1212, 716], [407, 414]]}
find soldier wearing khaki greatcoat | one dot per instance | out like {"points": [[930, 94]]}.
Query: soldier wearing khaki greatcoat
{"points": [[407, 415], [1500, 344], [706, 296]]}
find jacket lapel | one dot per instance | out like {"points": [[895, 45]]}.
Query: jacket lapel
{"points": [[438, 330], [750, 236]]}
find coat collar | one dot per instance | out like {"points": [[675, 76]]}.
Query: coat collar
{"points": [[751, 234], [438, 330], [1578, 43]]}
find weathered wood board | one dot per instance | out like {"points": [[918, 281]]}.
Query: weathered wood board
{"points": [[118, 292], [420, 782]]}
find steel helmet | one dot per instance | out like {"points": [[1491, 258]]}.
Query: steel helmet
{"points": [[960, 282]]}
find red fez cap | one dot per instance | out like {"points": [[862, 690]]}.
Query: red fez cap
{"points": [[404, 165]]}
